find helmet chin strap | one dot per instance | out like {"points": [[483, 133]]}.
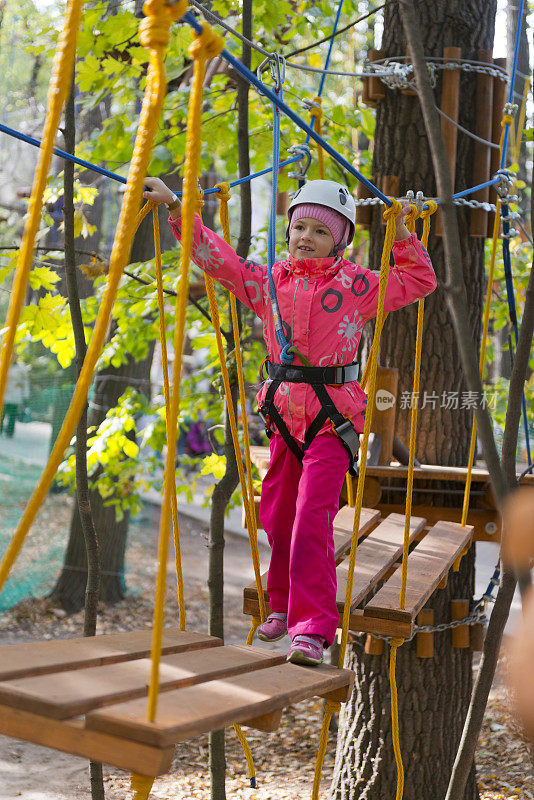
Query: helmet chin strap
{"points": [[343, 243]]}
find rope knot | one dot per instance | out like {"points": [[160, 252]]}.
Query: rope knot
{"points": [[395, 209], [207, 43], [432, 208], [332, 707], [154, 27], [507, 120], [199, 200], [396, 641], [316, 110], [410, 218], [224, 191]]}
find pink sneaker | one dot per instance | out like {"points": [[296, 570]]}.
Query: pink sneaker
{"points": [[274, 627], [306, 650]]}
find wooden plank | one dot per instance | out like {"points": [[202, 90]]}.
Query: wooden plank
{"points": [[260, 456], [342, 539], [434, 472], [374, 557], [429, 562], [189, 712], [486, 523], [78, 691], [71, 737], [357, 622], [38, 658], [344, 520]]}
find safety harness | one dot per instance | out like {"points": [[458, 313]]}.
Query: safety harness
{"points": [[318, 378]]}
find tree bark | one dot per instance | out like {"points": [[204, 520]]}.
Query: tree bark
{"points": [[441, 686]]}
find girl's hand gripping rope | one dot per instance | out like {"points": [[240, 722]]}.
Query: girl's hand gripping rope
{"points": [[401, 231], [158, 192]]}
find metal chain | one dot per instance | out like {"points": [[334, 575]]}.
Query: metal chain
{"points": [[459, 201], [478, 615]]}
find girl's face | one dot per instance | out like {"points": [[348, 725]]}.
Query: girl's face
{"points": [[309, 238]]}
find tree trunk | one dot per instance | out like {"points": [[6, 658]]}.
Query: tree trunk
{"points": [[433, 693], [365, 766]]}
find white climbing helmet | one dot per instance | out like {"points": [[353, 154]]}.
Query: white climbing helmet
{"points": [[330, 194]]}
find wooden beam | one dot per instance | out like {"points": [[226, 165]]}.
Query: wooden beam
{"points": [[428, 563], [189, 712], [77, 692], [71, 737], [39, 658], [482, 152]]}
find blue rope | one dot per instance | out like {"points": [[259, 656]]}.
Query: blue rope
{"points": [[512, 78], [512, 310], [287, 358], [327, 60], [252, 79], [67, 156], [113, 175]]}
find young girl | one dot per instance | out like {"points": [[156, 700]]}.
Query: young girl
{"points": [[312, 413]]}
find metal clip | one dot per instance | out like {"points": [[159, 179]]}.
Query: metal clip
{"points": [[277, 65], [304, 151], [505, 184]]}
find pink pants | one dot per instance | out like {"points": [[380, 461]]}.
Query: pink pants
{"points": [[297, 510]]}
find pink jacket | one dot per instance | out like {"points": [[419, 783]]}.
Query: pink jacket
{"points": [[324, 304]]}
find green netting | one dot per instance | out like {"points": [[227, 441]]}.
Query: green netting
{"points": [[25, 442]]}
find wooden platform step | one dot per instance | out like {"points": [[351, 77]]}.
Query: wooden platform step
{"points": [[81, 690], [433, 554], [245, 698], [39, 658], [428, 564], [375, 556], [342, 539], [203, 683]]}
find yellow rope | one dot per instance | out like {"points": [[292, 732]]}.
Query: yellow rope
{"points": [[425, 215], [395, 644], [148, 123], [248, 754], [205, 45], [331, 708], [390, 215], [520, 124], [317, 112], [167, 396], [410, 224], [57, 93], [141, 785], [247, 486], [256, 622], [246, 491], [350, 490]]}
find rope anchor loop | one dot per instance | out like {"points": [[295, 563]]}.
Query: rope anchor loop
{"points": [[277, 65], [394, 210]]}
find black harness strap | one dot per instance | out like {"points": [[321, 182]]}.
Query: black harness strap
{"points": [[316, 377]]}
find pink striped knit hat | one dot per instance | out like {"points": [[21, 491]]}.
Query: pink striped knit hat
{"points": [[335, 223]]}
